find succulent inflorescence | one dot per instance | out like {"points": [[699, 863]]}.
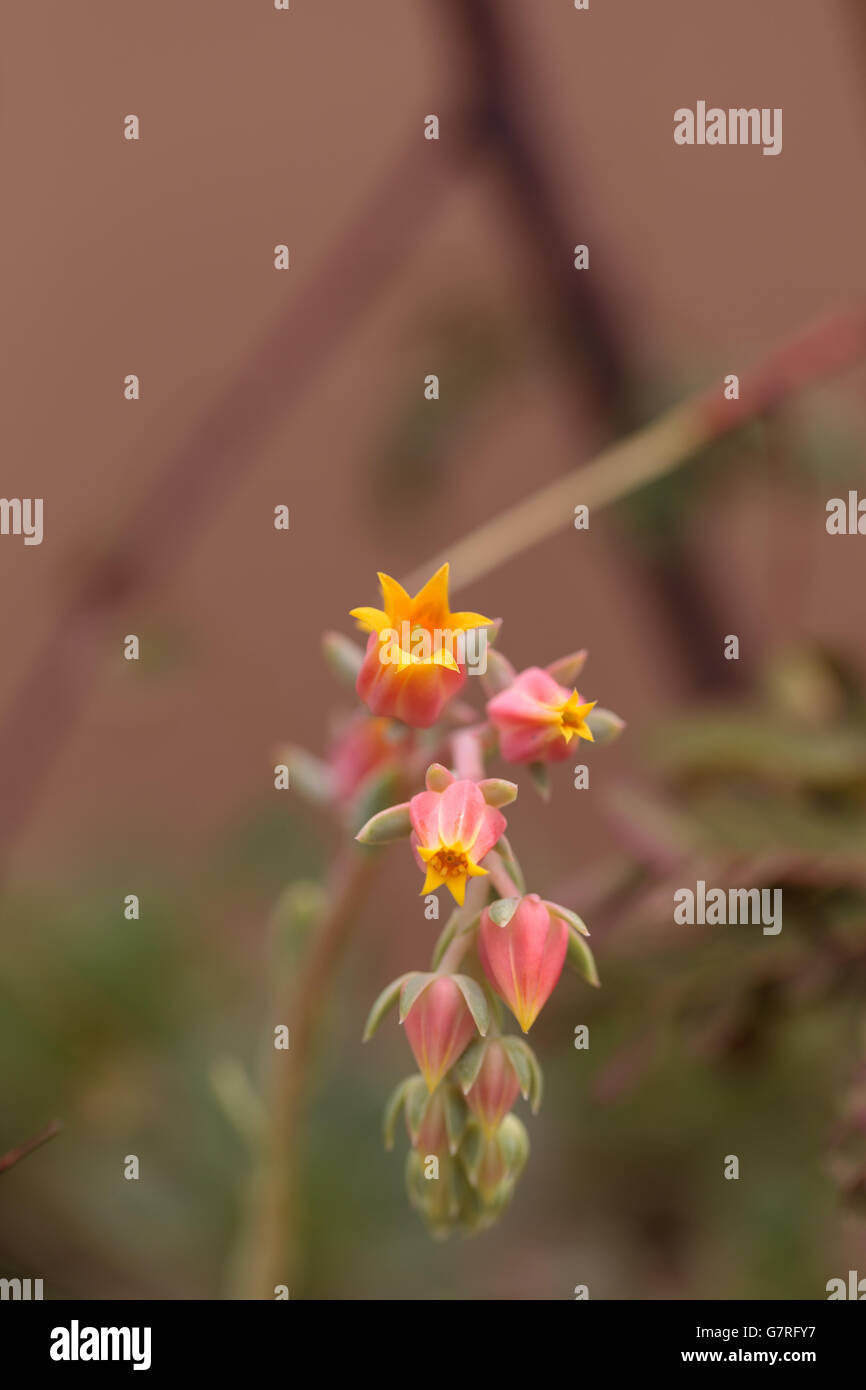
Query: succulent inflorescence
{"points": [[501, 945]]}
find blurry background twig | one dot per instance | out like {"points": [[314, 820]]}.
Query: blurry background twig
{"points": [[650, 453], [215, 458], [13, 1156]]}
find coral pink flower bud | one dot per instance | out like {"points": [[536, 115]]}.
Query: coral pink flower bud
{"points": [[495, 1088], [411, 667], [536, 718], [523, 960], [453, 830], [439, 1027], [361, 747]]}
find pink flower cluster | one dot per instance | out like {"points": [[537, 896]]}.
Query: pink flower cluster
{"points": [[502, 949]]}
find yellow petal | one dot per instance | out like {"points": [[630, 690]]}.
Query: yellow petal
{"points": [[457, 889], [430, 604], [443, 658], [397, 602], [464, 621], [371, 619], [433, 881]]}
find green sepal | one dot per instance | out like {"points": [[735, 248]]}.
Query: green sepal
{"points": [[413, 987], [438, 778], [503, 909], [417, 1099], [467, 1068], [500, 673], [566, 670], [475, 1001], [513, 1141], [456, 1118], [385, 1001], [393, 823], [605, 725], [580, 958], [343, 656], [566, 915], [394, 1105], [497, 791], [375, 793], [525, 1063], [472, 1151], [308, 775]]}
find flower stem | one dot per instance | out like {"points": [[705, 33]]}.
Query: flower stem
{"points": [[501, 877], [269, 1249]]}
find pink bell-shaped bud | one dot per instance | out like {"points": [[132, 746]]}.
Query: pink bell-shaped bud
{"points": [[523, 959], [440, 1023], [495, 1088]]}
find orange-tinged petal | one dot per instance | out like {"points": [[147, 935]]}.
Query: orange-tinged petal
{"points": [[397, 602], [430, 604]]}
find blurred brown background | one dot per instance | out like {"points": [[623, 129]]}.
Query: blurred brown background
{"points": [[156, 258]]}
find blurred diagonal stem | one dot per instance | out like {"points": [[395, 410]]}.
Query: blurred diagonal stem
{"points": [[13, 1156], [269, 1249], [654, 451]]}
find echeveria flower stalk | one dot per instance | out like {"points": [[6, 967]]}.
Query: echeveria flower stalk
{"points": [[467, 1147]]}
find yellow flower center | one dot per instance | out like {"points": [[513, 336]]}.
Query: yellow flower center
{"points": [[449, 863], [572, 717]]}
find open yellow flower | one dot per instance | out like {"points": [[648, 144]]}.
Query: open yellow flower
{"points": [[453, 831], [412, 664]]}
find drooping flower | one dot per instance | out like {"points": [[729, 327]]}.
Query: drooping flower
{"points": [[411, 667], [495, 1088], [439, 1026], [523, 959], [453, 830], [435, 1122], [537, 718]]}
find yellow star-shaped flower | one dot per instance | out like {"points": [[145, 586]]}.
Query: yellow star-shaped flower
{"points": [[451, 865], [411, 618], [572, 718]]}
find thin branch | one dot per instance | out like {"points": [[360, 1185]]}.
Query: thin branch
{"points": [[658, 449], [8, 1160]]}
